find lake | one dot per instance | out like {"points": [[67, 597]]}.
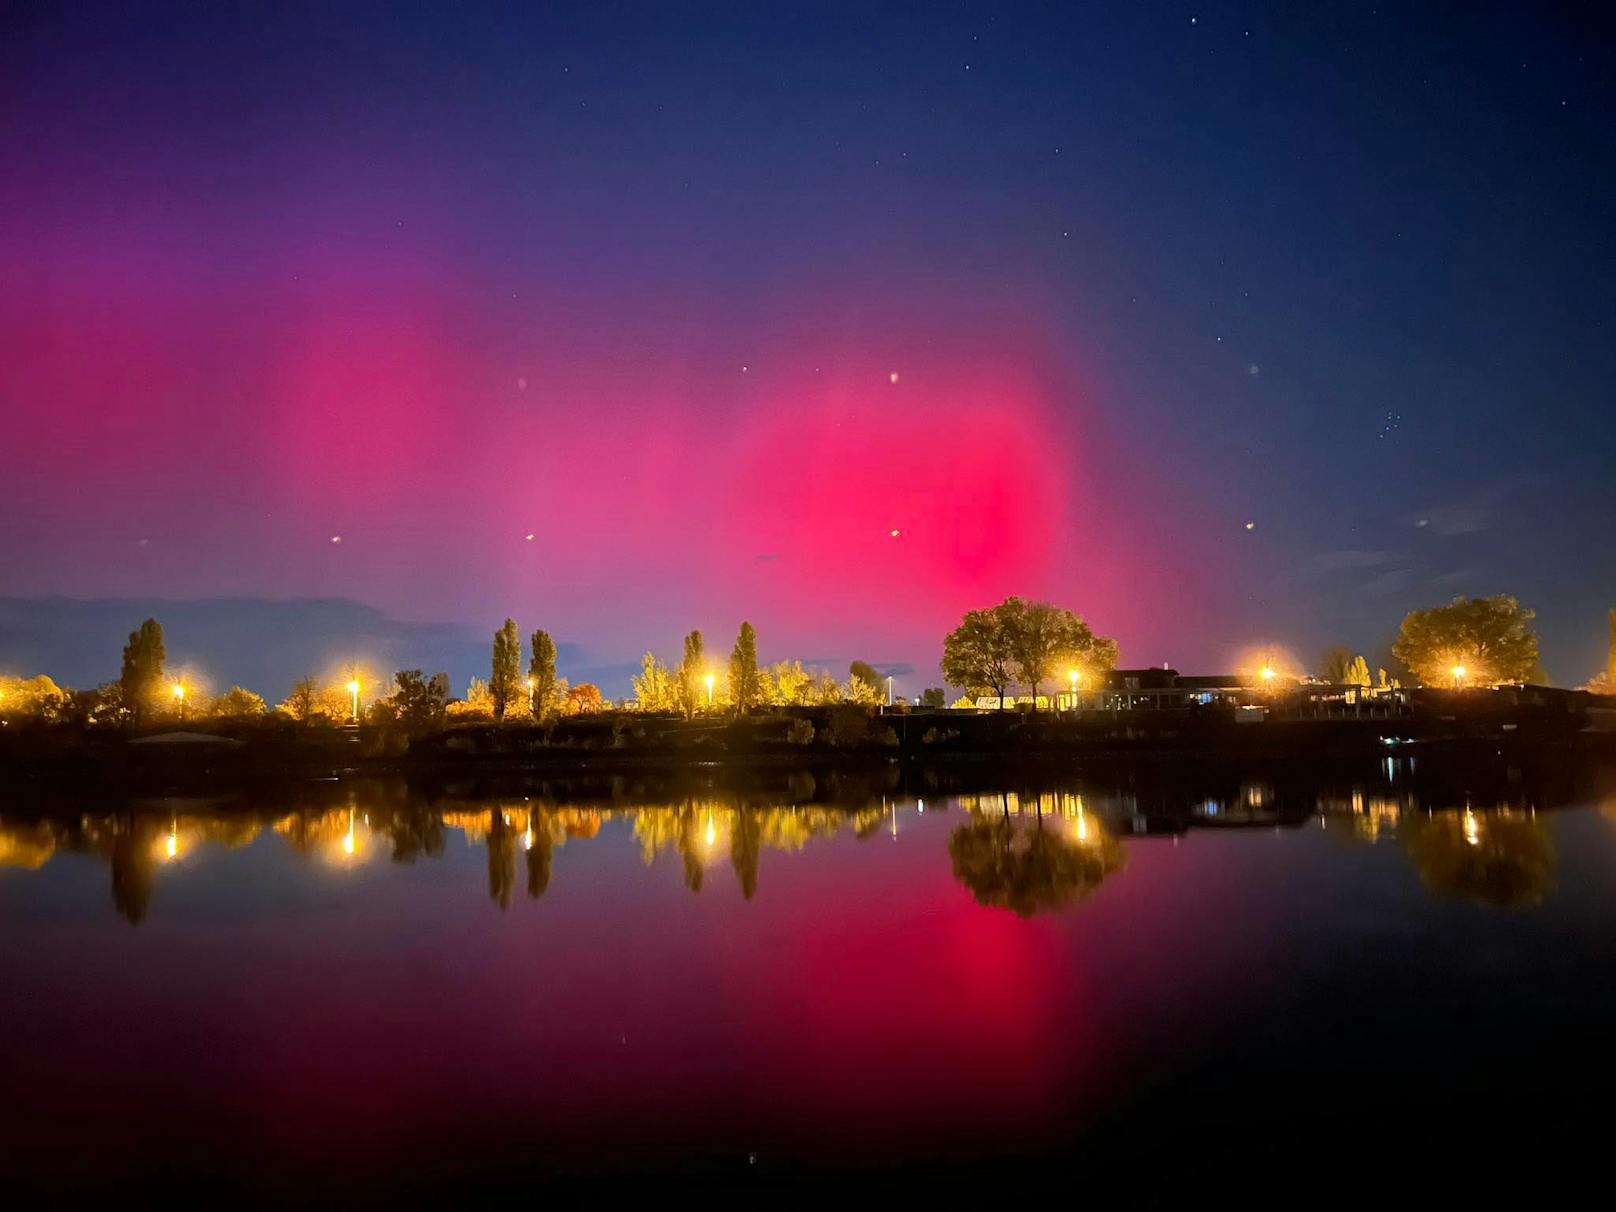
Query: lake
{"points": [[1137, 980]]}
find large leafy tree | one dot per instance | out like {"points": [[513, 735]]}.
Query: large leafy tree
{"points": [[1021, 641], [1491, 638], [418, 700], [744, 684], [505, 683], [865, 684], [977, 654], [541, 671], [143, 658], [238, 703], [653, 685], [1043, 639]]}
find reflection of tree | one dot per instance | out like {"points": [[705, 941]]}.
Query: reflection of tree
{"points": [[746, 840], [133, 866], [415, 832], [501, 858], [1032, 868], [1495, 858], [539, 858]]}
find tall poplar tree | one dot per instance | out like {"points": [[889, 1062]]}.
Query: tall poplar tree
{"points": [[506, 681], [743, 670], [143, 658], [691, 687], [541, 670]]}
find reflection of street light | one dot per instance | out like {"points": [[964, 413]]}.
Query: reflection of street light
{"points": [[348, 845], [710, 834], [709, 680], [353, 689]]}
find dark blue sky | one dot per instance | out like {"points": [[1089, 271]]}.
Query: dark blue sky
{"points": [[635, 280]]}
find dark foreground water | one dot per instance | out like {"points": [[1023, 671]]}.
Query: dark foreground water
{"points": [[1125, 985]]}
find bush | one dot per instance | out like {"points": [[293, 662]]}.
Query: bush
{"points": [[848, 725], [801, 732]]}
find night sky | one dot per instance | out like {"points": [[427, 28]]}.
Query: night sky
{"points": [[1221, 324]]}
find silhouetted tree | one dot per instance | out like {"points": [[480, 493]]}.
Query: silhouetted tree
{"points": [[977, 655], [743, 670], [505, 682], [417, 701], [143, 658]]}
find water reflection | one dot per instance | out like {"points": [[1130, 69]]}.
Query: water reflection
{"points": [[1029, 864], [1028, 852]]}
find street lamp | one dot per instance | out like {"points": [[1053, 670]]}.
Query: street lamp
{"points": [[1458, 672], [1266, 673], [179, 697], [353, 689], [1072, 676], [709, 680], [530, 684]]}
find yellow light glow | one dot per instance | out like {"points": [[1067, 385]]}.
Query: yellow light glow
{"points": [[1459, 673], [712, 835], [173, 846], [1267, 673], [709, 679], [179, 692], [348, 843]]}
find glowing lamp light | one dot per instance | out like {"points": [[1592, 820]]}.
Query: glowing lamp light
{"points": [[1267, 673], [353, 689], [173, 845], [709, 680], [179, 692], [1458, 672]]}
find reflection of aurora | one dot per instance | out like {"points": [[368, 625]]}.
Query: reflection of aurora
{"points": [[1027, 853]]}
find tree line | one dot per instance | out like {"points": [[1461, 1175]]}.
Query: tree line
{"points": [[1018, 643]]}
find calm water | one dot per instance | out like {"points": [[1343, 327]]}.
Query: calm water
{"points": [[1122, 982]]}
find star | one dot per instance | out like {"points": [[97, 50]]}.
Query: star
{"points": [[527, 538], [335, 539], [1251, 526], [896, 532], [893, 377]]}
